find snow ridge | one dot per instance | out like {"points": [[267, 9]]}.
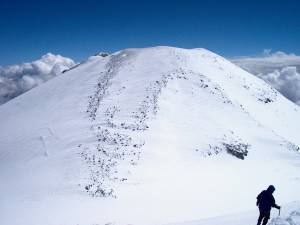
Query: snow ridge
{"points": [[118, 138]]}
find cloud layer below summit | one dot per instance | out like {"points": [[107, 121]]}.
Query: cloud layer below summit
{"points": [[17, 79], [279, 69]]}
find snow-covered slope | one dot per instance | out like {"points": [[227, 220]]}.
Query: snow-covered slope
{"points": [[166, 134], [290, 215]]}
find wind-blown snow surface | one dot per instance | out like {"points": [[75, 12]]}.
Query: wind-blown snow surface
{"points": [[167, 134], [290, 215]]}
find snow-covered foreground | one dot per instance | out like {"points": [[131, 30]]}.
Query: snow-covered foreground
{"points": [[165, 134], [290, 215]]}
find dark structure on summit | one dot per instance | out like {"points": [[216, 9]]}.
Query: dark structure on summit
{"points": [[265, 201]]}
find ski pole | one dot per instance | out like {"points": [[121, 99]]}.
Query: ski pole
{"points": [[279, 211]]}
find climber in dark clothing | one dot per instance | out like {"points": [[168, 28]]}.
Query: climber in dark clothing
{"points": [[265, 201]]}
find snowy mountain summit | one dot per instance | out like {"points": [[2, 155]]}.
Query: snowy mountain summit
{"points": [[167, 134]]}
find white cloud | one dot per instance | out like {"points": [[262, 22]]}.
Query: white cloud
{"points": [[17, 79], [279, 69]]}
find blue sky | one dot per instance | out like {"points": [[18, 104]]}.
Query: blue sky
{"points": [[77, 29]]}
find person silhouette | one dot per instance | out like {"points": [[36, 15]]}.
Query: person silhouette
{"points": [[265, 201]]}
